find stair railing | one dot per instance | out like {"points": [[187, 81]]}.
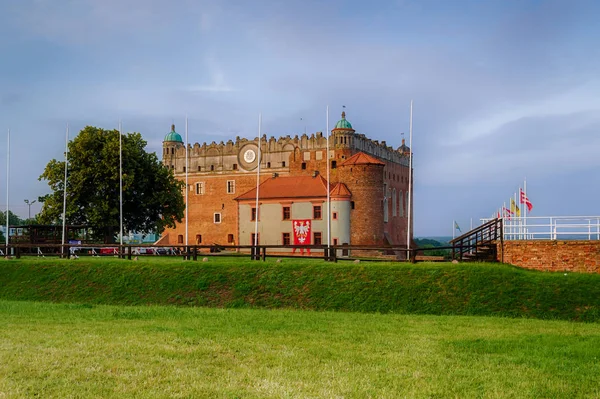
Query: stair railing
{"points": [[472, 241]]}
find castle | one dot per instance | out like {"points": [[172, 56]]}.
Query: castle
{"points": [[369, 189]]}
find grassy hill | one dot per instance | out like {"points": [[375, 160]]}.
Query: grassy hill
{"points": [[439, 289]]}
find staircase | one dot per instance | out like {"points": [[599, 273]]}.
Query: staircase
{"points": [[479, 244]]}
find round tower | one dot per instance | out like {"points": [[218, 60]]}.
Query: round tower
{"points": [[342, 132], [363, 175], [171, 144]]}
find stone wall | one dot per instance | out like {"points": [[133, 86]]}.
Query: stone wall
{"points": [[573, 256]]}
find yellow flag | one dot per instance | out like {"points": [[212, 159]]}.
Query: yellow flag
{"points": [[514, 208]]}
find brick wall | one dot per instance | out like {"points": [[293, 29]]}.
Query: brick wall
{"points": [[574, 256], [365, 182]]}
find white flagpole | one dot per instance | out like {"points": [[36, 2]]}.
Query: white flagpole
{"points": [[187, 189], [453, 229], [526, 208], [328, 189], [257, 182], [7, 186], [519, 217], [64, 226], [120, 187], [410, 176]]}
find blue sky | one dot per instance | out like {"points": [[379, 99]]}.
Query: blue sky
{"points": [[502, 90]]}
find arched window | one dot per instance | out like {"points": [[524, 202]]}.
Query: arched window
{"points": [[385, 209], [394, 210], [401, 203], [407, 200]]}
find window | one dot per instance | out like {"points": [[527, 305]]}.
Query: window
{"points": [[333, 164], [212, 168], [394, 212], [334, 216], [351, 204], [217, 217], [253, 214], [335, 241], [184, 169], [253, 237], [230, 238], [287, 213], [199, 168], [172, 151], [303, 165], [385, 209], [268, 164], [200, 188], [235, 166], [317, 238], [285, 238], [230, 186], [198, 238], [283, 164], [180, 239], [317, 212], [407, 200]]}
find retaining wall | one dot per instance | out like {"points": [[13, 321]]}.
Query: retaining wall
{"points": [[574, 256]]}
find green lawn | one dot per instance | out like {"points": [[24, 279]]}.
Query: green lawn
{"points": [[84, 351], [438, 289]]}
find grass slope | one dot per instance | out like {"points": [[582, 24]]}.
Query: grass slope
{"points": [[440, 289], [88, 351]]}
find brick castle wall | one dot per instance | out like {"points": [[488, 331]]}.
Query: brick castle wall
{"points": [[214, 164], [554, 256]]}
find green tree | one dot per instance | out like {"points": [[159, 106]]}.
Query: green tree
{"points": [[13, 219], [152, 197]]}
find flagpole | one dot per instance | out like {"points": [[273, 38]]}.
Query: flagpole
{"points": [[328, 189], [120, 186], [410, 176], [526, 207], [187, 188], [64, 225], [7, 186], [257, 183], [519, 217]]}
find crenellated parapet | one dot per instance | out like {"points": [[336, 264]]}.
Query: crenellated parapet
{"points": [[275, 152]]}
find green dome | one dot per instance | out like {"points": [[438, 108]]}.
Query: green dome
{"points": [[343, 123], [173, 135]]}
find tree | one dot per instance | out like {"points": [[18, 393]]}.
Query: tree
{"points": [[13, 219], [152, 197]]}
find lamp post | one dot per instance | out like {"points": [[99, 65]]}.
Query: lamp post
{"points": [[29, 205]]}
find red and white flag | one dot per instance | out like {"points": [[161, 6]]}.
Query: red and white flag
{"points": [[525, 200], [301, 231]]}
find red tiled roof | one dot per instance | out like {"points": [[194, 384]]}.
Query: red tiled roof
{"points": [[289, 187], [362, 159], [340, 190]]}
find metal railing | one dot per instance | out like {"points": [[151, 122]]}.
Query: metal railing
{"points": [[551, 228], [260, 252], [478, 243]]}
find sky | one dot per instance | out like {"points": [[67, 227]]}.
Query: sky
{"points": [[503, 90]]}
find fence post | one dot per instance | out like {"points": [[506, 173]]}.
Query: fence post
{"points": [[129, 252], [18, 252], [195, 252], [264, 254]]}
